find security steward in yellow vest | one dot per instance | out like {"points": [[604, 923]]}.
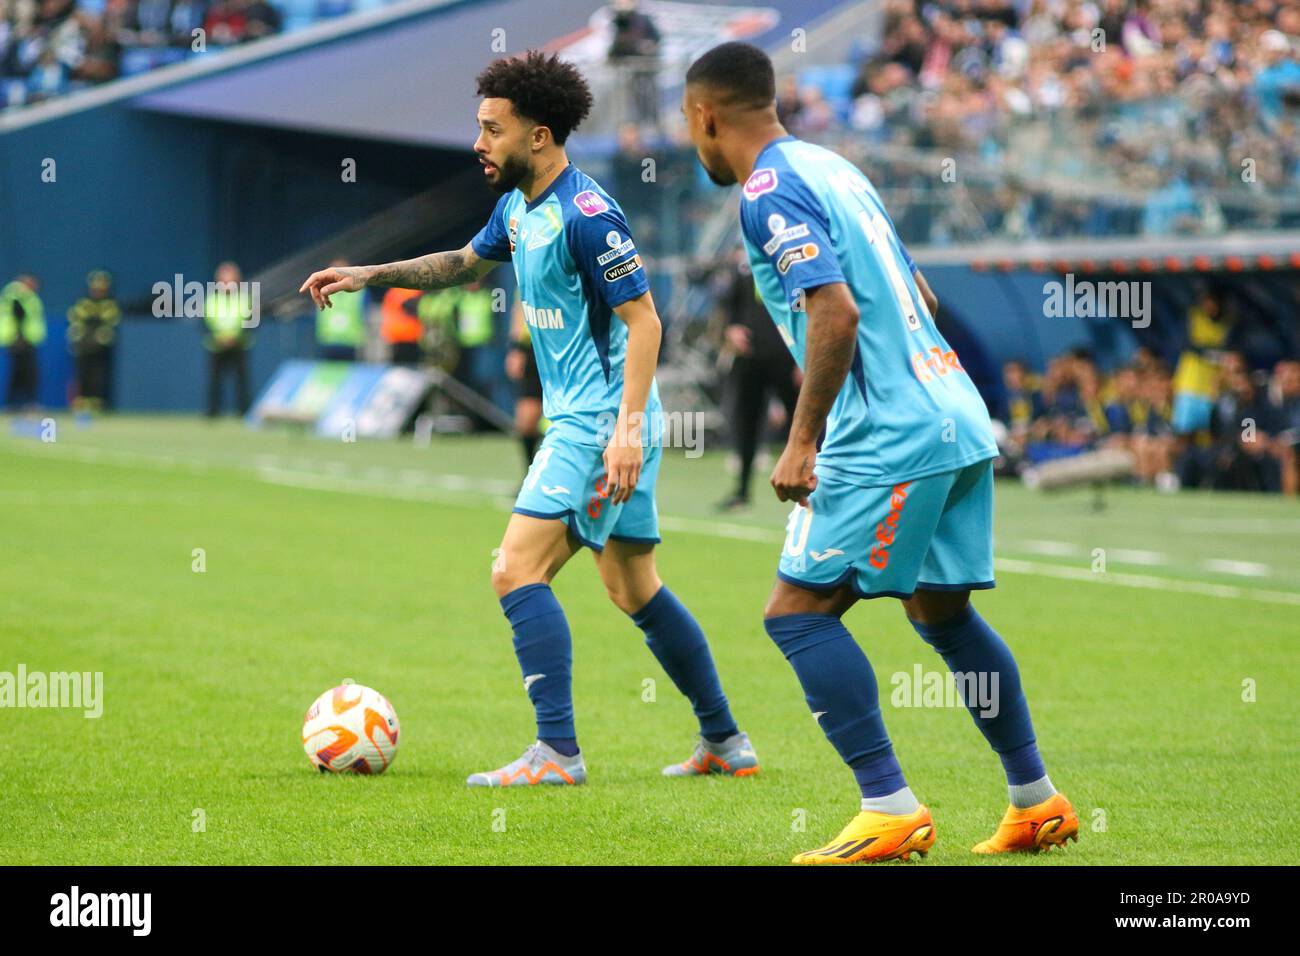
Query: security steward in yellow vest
{"points": [[22, 330], [341, 327], [227, 341], [92, 330]]}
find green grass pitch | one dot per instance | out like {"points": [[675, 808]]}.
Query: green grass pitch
{"points": [[371, 561]]}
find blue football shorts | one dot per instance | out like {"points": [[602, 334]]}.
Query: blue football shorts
{"points": [[933, 533], [567, 481]]}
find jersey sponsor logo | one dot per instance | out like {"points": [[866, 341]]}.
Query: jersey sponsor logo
{"points": [[625, 268], [802, 253], [618, 247], [888, 529], [513, 231], [938, 362], [781, 235], [602, 490], [760, 181], [543, 318], [590, 203]]}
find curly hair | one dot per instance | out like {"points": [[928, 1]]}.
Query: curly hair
{"points": [[546, 90]]}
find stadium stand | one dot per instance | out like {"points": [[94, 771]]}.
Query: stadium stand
{"points": [[52, 47], [1015, 143]]}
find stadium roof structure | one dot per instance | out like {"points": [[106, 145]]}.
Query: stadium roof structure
{"points": [[405, 72]]}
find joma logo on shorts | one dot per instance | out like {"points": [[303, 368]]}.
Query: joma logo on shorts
{"points": [[885, 530]]}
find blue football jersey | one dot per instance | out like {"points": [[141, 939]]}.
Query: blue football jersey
{"points": [[576, 261], [907, 408]]}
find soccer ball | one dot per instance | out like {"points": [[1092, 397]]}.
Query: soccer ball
{"points": [[350, 729]]}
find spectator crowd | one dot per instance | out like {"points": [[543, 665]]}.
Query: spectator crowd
{"points": [[1166, 100], [1223, 426], [52, 47]]}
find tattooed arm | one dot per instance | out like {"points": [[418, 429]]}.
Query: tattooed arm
{"points": [[438, 270], [831, 341]]}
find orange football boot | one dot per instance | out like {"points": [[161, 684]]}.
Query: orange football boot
{"points": [[1035, 828], [872, 837]]}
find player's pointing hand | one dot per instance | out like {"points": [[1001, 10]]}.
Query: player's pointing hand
{"points": [[321, 285]]}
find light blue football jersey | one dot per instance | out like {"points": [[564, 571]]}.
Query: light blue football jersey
{"points": [[907, 408], [576, 261]]}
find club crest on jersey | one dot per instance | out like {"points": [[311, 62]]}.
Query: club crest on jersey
{"points": [[618, 247], [590, 203], [513, 231], [626, 268], [802, 253], [760, 181]]}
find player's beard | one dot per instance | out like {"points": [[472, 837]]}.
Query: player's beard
{"points": [[717, 178], [510, 173]]}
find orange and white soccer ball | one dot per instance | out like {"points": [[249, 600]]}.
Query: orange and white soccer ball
{"points": [[350, 729]]}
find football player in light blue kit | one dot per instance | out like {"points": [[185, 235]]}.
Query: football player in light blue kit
{"points": [[897, 498], [596, 335]]}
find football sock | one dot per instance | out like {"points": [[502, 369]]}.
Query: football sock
{"points": [[900, 802], [564, 746], [675, 639], [545, 652], [970, 647], [1026, 795], [840, 688]]}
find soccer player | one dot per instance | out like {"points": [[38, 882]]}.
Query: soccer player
{"points": [[897, 499], [596, 335]]}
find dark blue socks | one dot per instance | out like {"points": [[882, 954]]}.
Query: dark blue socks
{"points": [[675, 639], [545, 652], [975, 652], [841, 691]]}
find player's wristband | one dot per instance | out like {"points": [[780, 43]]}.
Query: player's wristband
{"points": [[520, 346]]}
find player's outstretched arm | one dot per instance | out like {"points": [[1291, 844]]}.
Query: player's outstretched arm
{"points": [[623, 454], [438, 270], [831, 340]]}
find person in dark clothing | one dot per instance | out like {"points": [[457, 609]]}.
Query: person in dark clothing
{"points": [[635, 51], [227, 340], [92, 330], [1244, 427], [761, 367]]}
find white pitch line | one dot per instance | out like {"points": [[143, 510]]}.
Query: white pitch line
{"points": [[1148, 581], [1056, 549], [723, 529], [1240, 525], [1135, 556], [457, 489], [1246, 569]]}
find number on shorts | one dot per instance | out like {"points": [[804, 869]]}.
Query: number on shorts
{"points": [[794, 547], [539, 465]]}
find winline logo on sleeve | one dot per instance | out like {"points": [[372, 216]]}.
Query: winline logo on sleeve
{"points": [[103, 909], [75, 689]]}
